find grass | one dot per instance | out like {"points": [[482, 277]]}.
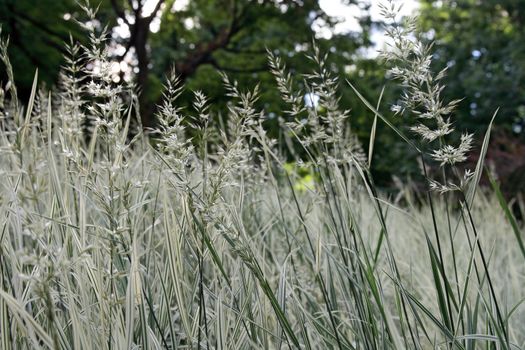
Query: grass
{"points": [[112, 242]]}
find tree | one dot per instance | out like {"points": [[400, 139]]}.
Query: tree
{"points": [[202, 37], [483, 45], [154, 35], [37, 34], [226, 35]]}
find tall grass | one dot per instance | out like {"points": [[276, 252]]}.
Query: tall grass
{"points": [[119, 242]]}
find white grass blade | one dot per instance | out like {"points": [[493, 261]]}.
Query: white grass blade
{"points": [[481, 161]]}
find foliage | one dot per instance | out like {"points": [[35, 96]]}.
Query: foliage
{"points": [[46, 28], [213, 35], [187, 39], [482, 45]]}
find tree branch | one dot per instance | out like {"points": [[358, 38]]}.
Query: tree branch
{"points": [[119, 11], [203, 51], [135, 10], [238, 51], [155, 10], [218, 66]]}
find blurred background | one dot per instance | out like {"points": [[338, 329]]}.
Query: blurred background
{"points": [[481, 42]]}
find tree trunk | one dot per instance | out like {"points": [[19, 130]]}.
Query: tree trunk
{"points": [[141, 47]]}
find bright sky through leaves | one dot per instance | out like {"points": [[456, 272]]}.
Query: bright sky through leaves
{"points": [[334, 8], [348, 21]]}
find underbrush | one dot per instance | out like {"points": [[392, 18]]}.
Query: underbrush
{"points": [[112, 241]]}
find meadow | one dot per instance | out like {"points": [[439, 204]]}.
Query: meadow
{"points": [[112, 237]]}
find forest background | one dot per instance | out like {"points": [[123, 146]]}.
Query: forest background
{"points": [[482, 43]]}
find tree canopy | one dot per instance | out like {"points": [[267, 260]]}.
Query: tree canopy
{"points": [[196, 37], [483, 45]]}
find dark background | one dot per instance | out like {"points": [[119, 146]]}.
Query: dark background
{"points": [[481, 42]]}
